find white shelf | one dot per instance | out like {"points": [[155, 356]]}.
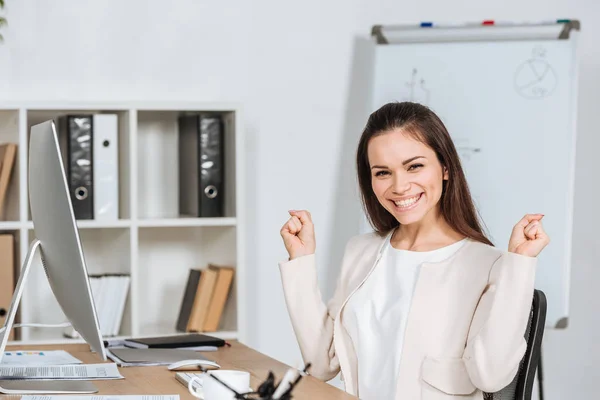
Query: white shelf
{"points": [[183, 221], [126, 223], [123, 106], [121, 223], [90, 224], [149, 241], [55, 336], [225, 335], [10, 225]]}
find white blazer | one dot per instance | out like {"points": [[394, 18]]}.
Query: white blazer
{"points": [[464, 334]]}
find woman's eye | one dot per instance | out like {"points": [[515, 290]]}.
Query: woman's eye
{"points": [[381, 173], [415, 166]]}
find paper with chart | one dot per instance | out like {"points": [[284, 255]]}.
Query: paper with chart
{"points": [[71, 372], [105, 397], [39, 357]]}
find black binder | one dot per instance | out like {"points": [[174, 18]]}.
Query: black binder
{"points": [[201, 165], [77, 131]]}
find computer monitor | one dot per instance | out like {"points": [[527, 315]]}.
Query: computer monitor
{"points": [[57, 239]]}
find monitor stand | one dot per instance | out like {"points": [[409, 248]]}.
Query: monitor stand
{"points": [[24, 386]]}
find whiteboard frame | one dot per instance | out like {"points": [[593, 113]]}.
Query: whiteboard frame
{"points": [[470, 32]]}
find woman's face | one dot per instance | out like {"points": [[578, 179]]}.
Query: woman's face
{"points": [[406, 176]]}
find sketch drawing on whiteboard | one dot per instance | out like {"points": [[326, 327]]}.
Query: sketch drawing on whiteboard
{"points": [[535, 78], [464, 149], [417, 92]]}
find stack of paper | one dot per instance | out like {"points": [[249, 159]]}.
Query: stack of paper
{"points": [[70, 372], [110, 295]]}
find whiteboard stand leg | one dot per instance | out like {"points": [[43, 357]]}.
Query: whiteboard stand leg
{"points": [[540, 379]]}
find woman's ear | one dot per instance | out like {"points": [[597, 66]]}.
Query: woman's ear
{"points": [[446, 174]]}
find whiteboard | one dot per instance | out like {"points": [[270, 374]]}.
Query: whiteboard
{"points": [[510, 107]]}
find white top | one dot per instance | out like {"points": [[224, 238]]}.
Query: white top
{"points": [[375, 317]]}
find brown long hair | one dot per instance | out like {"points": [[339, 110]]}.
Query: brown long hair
{"points": [[422, 124]]}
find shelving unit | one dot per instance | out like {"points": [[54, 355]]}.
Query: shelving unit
{"points": [[150, 240]]}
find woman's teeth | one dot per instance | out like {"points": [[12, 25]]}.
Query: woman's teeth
{"points": [[407, 202]]}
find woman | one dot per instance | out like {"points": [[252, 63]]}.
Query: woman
{"points": [[425, 307]]}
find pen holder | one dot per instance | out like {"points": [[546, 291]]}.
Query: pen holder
{"points": [[268, 389]]}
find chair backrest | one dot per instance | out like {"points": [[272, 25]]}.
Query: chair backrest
{"points": [[521, 387]]}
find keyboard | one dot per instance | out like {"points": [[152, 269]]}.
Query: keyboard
{"points": [[185, 377]]}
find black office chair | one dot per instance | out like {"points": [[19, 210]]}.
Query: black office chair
{"points": [[522, 386]]}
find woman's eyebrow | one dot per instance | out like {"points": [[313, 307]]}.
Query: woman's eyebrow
{"points": [[403, 162], [411, 159]]}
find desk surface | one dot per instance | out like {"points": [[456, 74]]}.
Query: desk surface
{"points": [[159, 380]]}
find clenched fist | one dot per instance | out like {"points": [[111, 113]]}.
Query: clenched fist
{"points": [[298, 234], [528, 237]]}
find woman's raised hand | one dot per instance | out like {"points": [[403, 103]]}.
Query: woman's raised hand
{"points": [[528, 237], [298, 234]]}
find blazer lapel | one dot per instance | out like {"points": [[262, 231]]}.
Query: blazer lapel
{"points": [[347, 357], [372, 263]]}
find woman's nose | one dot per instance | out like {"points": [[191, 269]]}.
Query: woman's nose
{"points": [[401, 185]]}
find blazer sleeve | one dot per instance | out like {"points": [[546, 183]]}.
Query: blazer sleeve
{"points": [[496, 342], [312, 319]]}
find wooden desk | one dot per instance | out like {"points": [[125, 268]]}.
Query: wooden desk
{"points": [[159, 380]]}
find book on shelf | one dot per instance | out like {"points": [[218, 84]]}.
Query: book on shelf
{"points": [[188, 300], [110, 295], [7, 276], [8, 153], [204, 298], [219, 297]]}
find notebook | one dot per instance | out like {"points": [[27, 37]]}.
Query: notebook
{"points": [[175, 341]]}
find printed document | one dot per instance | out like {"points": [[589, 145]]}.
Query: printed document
{"points": [[71, 372], [105, 397], [38, 357]]}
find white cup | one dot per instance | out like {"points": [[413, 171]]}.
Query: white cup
{"points": [[214, 390]]}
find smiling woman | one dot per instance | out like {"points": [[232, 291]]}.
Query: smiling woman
{"points": [[425, 306], [406, 154]]}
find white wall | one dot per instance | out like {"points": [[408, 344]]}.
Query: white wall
{"points": [[297, 67]]}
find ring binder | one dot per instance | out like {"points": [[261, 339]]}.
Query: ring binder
{"points": [[201, 166], [77, 131]]}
